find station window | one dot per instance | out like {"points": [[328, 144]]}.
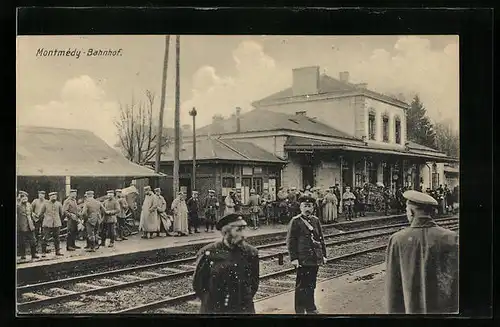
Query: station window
{"points": [[228, 169], [228, 183], [371, 125], [397, 129], [385, 128], [257, 185]]}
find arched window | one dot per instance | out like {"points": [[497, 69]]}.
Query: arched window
{"points": [[371, 124], [397, 129], [385, 127]]}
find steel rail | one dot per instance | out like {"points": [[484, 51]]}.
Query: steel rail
{"points": [[59, 298], [192, 295]]}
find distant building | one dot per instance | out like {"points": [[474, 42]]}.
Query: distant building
{"points": [[58, 159], [332, 131]]}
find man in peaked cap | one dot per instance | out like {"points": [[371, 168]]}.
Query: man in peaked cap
{"points": [[227, 271], [211, 206], [307, 249], [422, 262], [149, 223], [25, 226], [162, 213], [254, 204], [122, 215], [70, 210], [92, 210], [193, 206], [111, 209], [52, 212], [36, 208]]}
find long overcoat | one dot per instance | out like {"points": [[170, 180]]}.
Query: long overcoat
{"points": [[180, 211], [422, 269], [149, 215], [24, 222], [52, 213], [226, 279]]}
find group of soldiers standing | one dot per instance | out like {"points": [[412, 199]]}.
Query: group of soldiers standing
{"points": [[226, 277], [41, 220]]}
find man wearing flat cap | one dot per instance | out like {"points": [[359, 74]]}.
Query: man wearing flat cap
{"points": [[70, 209], [25, 227], [422, 262], [111, 209], [36, 208], [307, 250], [52, 212], [211, 206], [227, 272], [92, 211]]}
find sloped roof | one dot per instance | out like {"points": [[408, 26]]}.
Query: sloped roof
{"points": [[216, 149], [46, 151], [328, 84], [416, 146], [412, 151], [259, 120]]}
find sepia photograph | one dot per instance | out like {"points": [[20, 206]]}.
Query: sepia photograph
{"points": [[237, 174]]}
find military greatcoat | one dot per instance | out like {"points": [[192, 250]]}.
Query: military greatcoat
{"points": [[226, 279], [422, 269]]}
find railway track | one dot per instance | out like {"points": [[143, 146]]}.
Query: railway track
{"points": [[113, 290]]}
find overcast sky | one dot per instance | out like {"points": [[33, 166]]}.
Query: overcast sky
{"points": [[219, 73]]}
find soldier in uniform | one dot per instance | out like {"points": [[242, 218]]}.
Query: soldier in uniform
{"points": [[121, 217], [25, 227], [52, 212], [227, 271], [162, 213], [193, 206], [336, 190], [210, 206], [422, 262], [348, 198], [111, 209], [254, 204], [92, 210], [283, 204], [307, 250], [70, 210], [36, 208]]}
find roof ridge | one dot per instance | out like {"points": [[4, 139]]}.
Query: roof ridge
{"points": [[233, 149]]}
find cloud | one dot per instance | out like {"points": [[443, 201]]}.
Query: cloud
{"points": [[414, 67], [409, 66], [82, 105], [257, 76]]}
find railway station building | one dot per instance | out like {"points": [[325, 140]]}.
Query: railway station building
{"points": [[328, 130], [58, 159]]}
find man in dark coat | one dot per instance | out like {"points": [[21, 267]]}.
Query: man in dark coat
{"points": [[422, 262], [211, 206], [307, 249], [227, 271], [70, 210], [92, 211], [36, 208], [193, 206], [25, 227]]}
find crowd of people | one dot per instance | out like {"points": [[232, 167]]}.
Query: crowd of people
{"points": [[97, 221]]}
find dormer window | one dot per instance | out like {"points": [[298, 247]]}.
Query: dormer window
{"points": [[385, 128], [397, 129], [371, 125]]}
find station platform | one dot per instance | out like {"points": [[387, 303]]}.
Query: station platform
{"points": [[361, 292], [135, 249]]}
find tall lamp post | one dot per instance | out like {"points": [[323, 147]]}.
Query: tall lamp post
{"points": [[193, 114]]}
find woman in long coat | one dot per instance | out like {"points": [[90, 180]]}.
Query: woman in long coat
{"points": [[229, 204], [180, 211], [149, 222], [330, 202]]}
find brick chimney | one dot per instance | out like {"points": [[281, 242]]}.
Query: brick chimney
{"points": [[344, 77], [305, 81], [238, 120]]}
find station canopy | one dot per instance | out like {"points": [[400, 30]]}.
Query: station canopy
{"points": [[47, 151]]}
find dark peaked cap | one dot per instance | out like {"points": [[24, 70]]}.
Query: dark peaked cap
{"points": [[307, 199], [420, 198], [233, 219]]}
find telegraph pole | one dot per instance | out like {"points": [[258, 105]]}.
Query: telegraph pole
{"points": [[193, 114], [162, 105], [177, 114]]}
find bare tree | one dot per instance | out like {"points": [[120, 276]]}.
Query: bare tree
{"points": [[136, 131]]}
